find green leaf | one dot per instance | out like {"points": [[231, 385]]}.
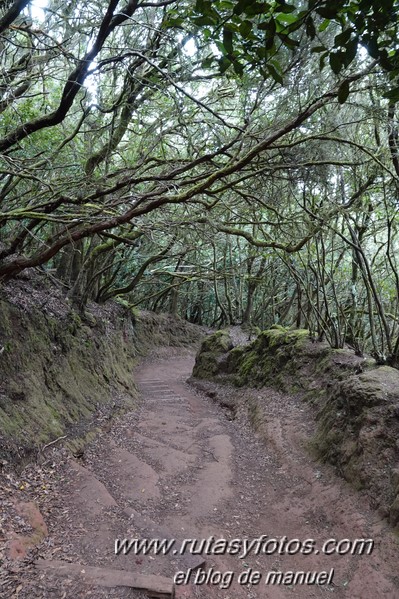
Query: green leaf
{"points": [[226, 5], [204, 7], [257, 8], [324, 25], [351, 51], [269, 44], [392, 94], [342, 38], [335, 62], [372, 47], [245, 28], [224, 64], [286, 18], [220, 47], [173, 22], [242, 5], [274, 73], [327, 12], [317, 49], [228, 41], [238, 68], [310, 28], [231, 27], [207, 62], [201, 21], [287, 8], [276, 64], [294, 26], [322, 62], [269, 26], [384, 61], [343, 92], [261, 52], [288, 41]]}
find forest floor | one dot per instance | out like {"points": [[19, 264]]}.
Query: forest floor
{"points": [[181, 467]]}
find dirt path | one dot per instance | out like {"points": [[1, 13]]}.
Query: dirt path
{"points": [[179, 468]]}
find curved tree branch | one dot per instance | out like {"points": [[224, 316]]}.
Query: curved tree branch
{"points": [[12, 14]]}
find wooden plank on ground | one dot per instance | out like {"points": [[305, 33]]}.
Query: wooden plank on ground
{"points": [[156, 587]]}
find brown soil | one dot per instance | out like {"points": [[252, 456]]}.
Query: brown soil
{"points": [[182, 466]]}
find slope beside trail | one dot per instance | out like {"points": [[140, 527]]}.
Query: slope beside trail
{"points": [[179, 467]]}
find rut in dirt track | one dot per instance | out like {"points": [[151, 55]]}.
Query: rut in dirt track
{"points": [[179, 468]]}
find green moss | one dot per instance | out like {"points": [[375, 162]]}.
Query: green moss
{"points": [[325, 443], [213, 348], [255, 414], [206, 365], [270, 359], [246, 364], [77, 444], [52, 375], [219, 342], [277, 337]]}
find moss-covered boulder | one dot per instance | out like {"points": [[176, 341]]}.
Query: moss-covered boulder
{"points": [[209, 359], [358, 431], [271, 358], [268, 360]]}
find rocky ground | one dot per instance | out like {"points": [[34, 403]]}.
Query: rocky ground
{"points": [[184, 466]]}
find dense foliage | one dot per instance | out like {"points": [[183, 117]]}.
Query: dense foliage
{"points": [[227, 161]]}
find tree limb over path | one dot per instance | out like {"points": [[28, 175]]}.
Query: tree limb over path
{"points": [[151, 202]]}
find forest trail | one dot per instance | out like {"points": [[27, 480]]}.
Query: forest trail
{"points": [[179, 468]]}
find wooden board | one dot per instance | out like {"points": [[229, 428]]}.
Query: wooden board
{"points": [[156, 587]]}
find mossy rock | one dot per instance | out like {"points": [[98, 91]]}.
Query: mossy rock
{"points": [[206, 365], [326, 443], [358, 428], [210, 360], [372, 388], [270, 360], [277, 337], [219, 342], [234, 358], [247, 371]]}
